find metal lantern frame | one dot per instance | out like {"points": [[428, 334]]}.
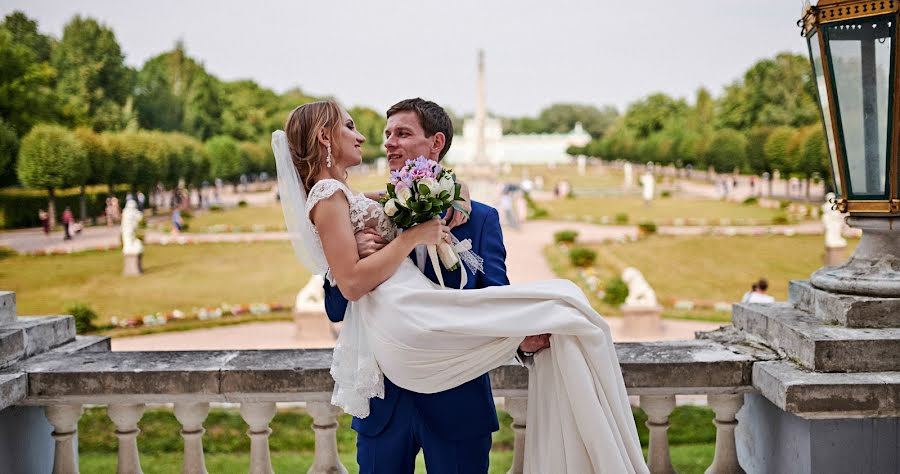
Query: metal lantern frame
{"points": [[823, 25]]}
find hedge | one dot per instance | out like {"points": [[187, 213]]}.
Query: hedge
{"points": [[19, 208]]}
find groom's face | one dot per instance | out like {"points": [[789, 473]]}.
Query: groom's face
{"points": [[404, 139]]}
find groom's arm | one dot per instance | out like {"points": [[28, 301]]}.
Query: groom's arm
{"points": [[335, 303]]}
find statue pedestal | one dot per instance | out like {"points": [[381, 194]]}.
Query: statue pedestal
{"points": [[642, 320], [133, 265], [835, 256]]}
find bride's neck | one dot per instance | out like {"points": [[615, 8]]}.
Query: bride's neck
{"points": [[334, 172]]}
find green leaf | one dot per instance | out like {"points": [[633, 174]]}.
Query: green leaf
{"points": [[423, 190]]}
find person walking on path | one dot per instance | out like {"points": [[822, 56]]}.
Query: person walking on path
{"points": [[67, 219], [44, 217]]}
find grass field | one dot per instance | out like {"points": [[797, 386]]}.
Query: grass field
{"points": [[662, 211], [704, 268], [692, 439], [176, 277]]}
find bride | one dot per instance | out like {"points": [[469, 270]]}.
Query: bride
{"points": [[428, 339]]}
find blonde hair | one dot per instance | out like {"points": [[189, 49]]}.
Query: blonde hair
{"points": [[302, 129]]}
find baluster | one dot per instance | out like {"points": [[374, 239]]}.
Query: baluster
{"points": [[191, 416], [258, 416], [326, 460], [726, 407], [64, 419], [126, 418], [518, 409], [658, 408]]}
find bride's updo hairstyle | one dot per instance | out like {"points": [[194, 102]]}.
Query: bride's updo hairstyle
{"points": [[302, 129]]}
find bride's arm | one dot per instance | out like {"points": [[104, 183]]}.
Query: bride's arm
{"points": [[354, 276]]}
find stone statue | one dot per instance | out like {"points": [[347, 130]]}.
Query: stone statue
{"points": [[311, 299], [640, 294], [629, 175], [131, 217], [834, 224], [648, 184], [582, 164]]}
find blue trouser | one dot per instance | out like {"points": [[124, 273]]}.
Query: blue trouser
{"points": [[394, 450]]}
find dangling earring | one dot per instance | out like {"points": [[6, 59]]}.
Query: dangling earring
{"points": [[328, 158]]}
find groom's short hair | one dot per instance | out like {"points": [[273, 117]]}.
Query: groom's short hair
{"points": [[432, 117]]}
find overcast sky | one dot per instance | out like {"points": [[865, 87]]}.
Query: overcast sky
{"points": [[375, 53]]}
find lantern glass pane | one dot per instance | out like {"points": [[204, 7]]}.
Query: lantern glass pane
{"points": [[860, 54], [815, 53]]}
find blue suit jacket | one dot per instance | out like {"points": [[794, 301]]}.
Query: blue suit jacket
{"points": [[467, 410]]}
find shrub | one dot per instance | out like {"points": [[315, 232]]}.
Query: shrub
{"points": [[215, 208], [242, 203], [534, 211], [6, 252], [647, 227], [780, 219], [784, 204], [565, 236], [84, 317], [582, 257], [616, 291], [186, 214], [751, 201], [621, 218], [665, 194]]}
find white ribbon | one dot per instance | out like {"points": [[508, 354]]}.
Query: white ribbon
{"points": [[468, 260]]}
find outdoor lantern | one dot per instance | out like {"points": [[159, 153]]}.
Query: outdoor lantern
{"points": [[854, 54]]}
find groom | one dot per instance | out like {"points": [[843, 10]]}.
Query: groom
{"points": [[452, 427]]}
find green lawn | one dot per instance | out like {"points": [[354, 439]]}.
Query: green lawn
{"points": [[594, 177], [662, 211], [691, 436], [175, 277], [238, 219], [703, 268]]}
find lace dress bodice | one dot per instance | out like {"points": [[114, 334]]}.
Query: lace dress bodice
{"points": [[364, 212]]}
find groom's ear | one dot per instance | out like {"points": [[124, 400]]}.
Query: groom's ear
{"points": [[437, 144]]}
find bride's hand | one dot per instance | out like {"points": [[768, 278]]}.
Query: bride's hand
{"points": [[432, 232]]}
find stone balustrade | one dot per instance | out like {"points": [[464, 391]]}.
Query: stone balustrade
{"points": [[83, 372]]}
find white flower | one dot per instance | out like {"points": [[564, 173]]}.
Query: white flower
{"points": [[448, 184], [390, 207], [404, 194], [431, 184]]}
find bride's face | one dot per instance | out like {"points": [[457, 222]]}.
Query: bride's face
{"points": [[348, 141]]}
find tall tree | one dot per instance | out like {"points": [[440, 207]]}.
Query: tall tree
{"points": [[371, 124], [24, 31], [51, 158], [94, 82], [26, 84], [650, 115]]}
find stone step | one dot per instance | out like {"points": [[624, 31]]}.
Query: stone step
{"points": [[29, 336], [13, 388], [816, 345], [846, 310], [7, 307], [817, 395]]}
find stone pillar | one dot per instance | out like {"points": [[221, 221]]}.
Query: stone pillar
{"points": [[326, 460], [726, 407], [658, 408], [191, 417], [258, 416], [126, 418], [642, 321], [133, 265], [518, 409], [64, 419]]}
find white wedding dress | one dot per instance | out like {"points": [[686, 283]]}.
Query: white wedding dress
{"points": [[429, 339]]}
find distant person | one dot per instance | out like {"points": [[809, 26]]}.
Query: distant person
{"points": [[746, 296], [116, 210], [67, 219], [177, 221], [761, 295], [508, 209], [140, 200], [44, 217]]}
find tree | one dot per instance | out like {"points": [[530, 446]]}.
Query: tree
{"points": [[727, 151], [94, 82], [99, 162], [175, 93], [24, 32], [225, 159], [248, 111], [650, 115], [776, 150], [813, 155], [9, 147], [26, 85], [371, 124], [561, 118], [51, 158], [757, 160]]}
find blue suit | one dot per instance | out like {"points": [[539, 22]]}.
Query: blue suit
{"points": [[453, 427]]}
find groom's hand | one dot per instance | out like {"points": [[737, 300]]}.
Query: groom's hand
{"points": [[368, 241], [455, 218], [535, 343]]}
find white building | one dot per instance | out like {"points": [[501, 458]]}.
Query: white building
{"points": [[535, 149]]}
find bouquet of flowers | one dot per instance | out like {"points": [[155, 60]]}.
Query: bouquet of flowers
{"points": [[418, 192]]}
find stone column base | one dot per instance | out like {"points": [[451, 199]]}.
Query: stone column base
{"points": [[835, 256], [642, 320], [133, 265]]}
